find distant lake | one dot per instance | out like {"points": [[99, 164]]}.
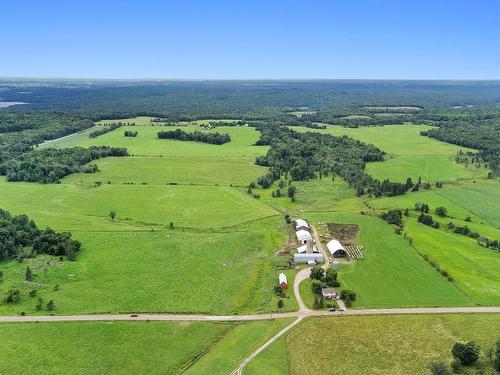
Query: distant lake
{"points": [[8, 104]]}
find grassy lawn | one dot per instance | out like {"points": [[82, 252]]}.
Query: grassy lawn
{"points": [[384, 344], [228, 353], [226, 271], [392, 273], [227, 170], [411, 155], [102, 347]]}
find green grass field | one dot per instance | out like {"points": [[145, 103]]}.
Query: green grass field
{"points": [[220, 271], [227, 170], [130, 347], [147, 144], [83, 207], [228, 353], [101, 347], [410, 154], [383, 344], [391, 274]]}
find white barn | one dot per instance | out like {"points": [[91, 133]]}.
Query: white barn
{"points": [[303, 235], [301, 224], [335, 248]]}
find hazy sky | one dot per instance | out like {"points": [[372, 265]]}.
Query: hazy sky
{"points": [[251, 39]]}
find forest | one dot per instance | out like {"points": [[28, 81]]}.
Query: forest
{"points": [[301, 156], [21, 238], [50, 165]]}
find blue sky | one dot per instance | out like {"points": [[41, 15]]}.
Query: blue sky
{"points": [[251, 39]]}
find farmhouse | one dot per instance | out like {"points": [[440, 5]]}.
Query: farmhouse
{"points": [[301, 224], [283, 281], [329, 293], [306, 258], [303, 236], [336, 249]]}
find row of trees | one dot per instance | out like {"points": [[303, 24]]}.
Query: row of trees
{"points": [[196, 136], [104, 129], [50, 165], [21, 238]]}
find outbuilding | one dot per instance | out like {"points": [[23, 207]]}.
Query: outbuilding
{"points": [[283, 281], [336, 249], [303, 235], [305, 258], [301, 224]]}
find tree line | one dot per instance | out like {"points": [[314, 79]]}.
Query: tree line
{"points": [[104, 129], [21, 238], [50, 165], [196, 136]]}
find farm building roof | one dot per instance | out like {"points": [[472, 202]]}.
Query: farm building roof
{"points": [[300, 223], [303, 249], [303, 235], [334, 246], [282, 278]]}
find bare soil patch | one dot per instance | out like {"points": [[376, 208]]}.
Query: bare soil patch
{"points": [[345, 233]]}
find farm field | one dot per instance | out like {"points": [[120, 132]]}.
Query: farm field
{"points": [[384, 344], [392, 274], [473, 267], [411, 155], [222, 271], [83, 207], [231, 170], [147, 144], [138, 347], [228, 353], [315, 195]]}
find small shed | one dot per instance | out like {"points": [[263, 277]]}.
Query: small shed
{"points": [[329, 293], [283, 281], [301, 224], [336, 249], [303, 235]]}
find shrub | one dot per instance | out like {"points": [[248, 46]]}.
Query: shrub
{"points": [[12, 296], [441, 211], [316, 286], [466, 353], [439, 368], [280, 303]]}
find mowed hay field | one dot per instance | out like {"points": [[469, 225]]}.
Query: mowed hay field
{"points": [[473, 267], [385, 344], [218, 258], [410, 154], [130, 347], [392, 274]]}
